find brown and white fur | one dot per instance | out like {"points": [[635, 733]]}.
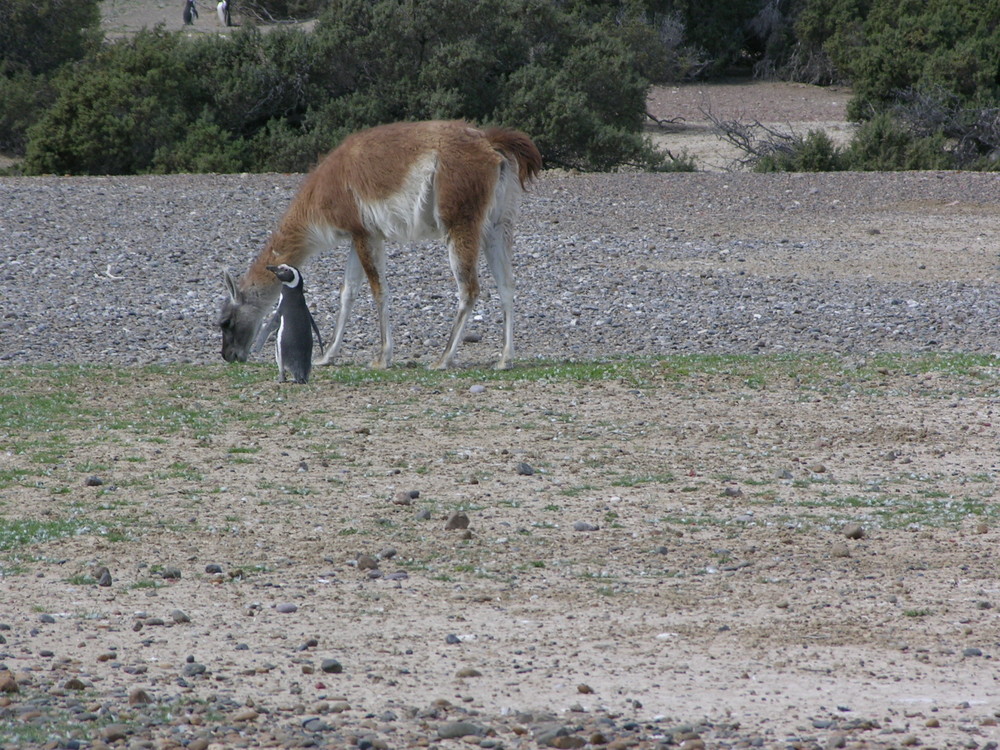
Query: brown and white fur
{"points": [[403, 182]]}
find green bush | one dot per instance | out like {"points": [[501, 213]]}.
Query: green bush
{"points": [[204, 147], [40, 35], [23, 97], [815, 152], [885, 144], [113, 113], [824, 35], [570, 122], [36, 38], [277, 100], [923, 44]]}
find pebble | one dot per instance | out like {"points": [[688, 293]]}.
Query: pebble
{"points": [[457, 520], [584, 526], [139, 697], [8, 683], [103, 576], [213, 568], [179, 617], [477, 389], [247, 714], [93, 481], [331, 666], [525, 470], [458, 729], [114, 732], [286, 608], [854, 531]]}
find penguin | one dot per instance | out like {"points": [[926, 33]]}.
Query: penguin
{"points": [[222, 9], [190, 12], [295, 325]]}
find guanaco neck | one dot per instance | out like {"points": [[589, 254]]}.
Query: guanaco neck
{"points": [[283, 246]]}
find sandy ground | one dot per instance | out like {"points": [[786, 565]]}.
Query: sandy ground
{"points": [[685, 113], [677, 555]]}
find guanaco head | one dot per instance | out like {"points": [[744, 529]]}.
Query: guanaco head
{"points": [[239, 320]]}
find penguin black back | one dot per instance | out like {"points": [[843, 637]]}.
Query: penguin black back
{"points": [[295, 324]]}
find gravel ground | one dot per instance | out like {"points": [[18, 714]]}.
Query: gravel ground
{"points": [[128, 269]]}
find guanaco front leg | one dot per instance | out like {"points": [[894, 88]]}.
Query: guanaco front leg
{"points": [[354, 275]]}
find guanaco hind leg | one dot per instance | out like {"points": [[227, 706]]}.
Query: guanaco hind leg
{"points": [[497, 246], [463, 255]]}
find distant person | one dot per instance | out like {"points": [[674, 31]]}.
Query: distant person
{"points": [[190, 12]]}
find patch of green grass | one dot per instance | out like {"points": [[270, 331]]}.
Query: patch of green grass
{"points": [[13, 477], [15, 534], [148, 583], [636, 480], [894, 511], [578, 490]]}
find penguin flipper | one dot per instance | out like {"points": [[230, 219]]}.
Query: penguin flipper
{"points": [[266, 330], [315, 327]]}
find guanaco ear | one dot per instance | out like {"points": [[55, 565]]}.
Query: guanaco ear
{"points": [[234, 292]]}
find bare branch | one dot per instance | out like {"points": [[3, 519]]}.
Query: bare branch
{"points": [[755, 139], [663, 122]]}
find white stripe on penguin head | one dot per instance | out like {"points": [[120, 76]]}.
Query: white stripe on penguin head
{"points": [[296, 276]]}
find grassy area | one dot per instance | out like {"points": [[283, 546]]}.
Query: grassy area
{"points": [[165, 433]]}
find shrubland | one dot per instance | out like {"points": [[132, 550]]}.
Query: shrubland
{"points": [[575, 74]]}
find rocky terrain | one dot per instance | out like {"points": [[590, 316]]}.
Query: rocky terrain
{"points": [[129, 269]]}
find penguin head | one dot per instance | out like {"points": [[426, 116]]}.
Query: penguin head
{"points": [[288, 275]]}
